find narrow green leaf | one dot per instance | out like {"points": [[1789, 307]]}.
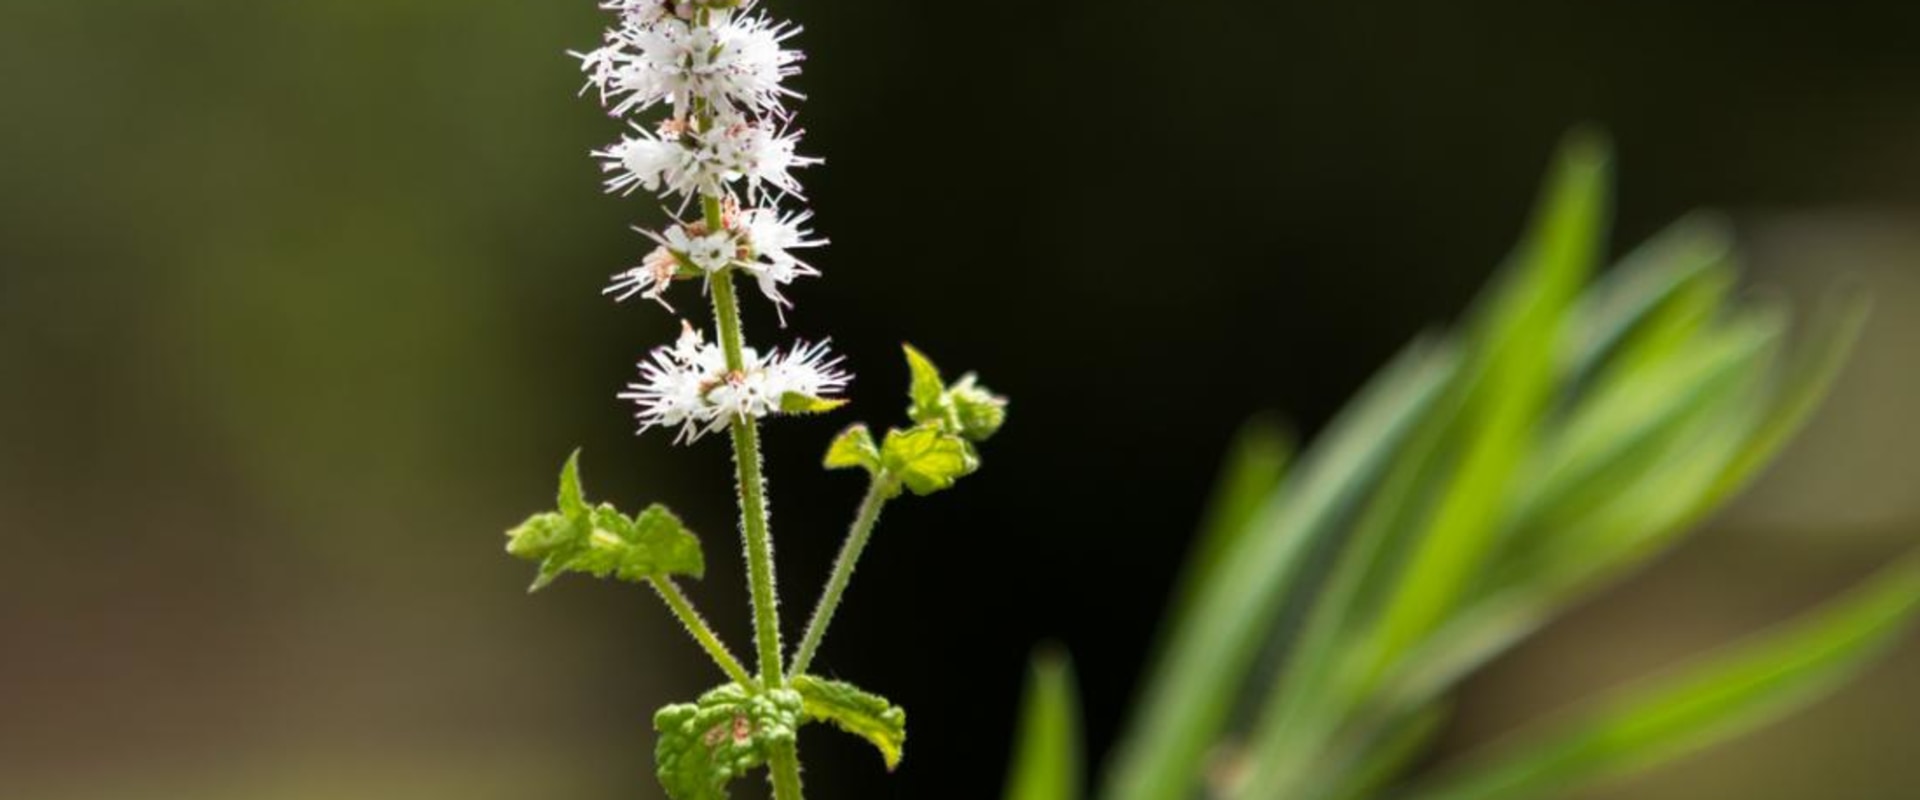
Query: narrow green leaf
{"points": [[854, 448], [1688, 265], [850, 709], [1713, 699], [1255, 464], [1192, 688], [1047, 751], [1835, 330], [1378, 766], [706, 745], [927, 459], [1512, 364], [797, 403], [1308, 699], [927, 389]]}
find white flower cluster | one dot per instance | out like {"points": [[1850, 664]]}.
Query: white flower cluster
{"points": [[688, 386], [720, 66]]}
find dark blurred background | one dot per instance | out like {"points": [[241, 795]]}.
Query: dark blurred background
{"points": [[299, 310]]}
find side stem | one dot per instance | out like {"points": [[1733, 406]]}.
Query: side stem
{"points": [[682, 608], [883, 488]]}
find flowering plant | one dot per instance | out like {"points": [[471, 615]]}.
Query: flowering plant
{"points": [[1483, 483], [702, 84]]}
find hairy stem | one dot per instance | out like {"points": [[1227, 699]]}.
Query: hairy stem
{"points": [[682, 608], [753, 503], [883, 488], [783, 763], [783, 767]]}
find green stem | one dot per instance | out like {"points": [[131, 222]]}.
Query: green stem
{"points": [[753, 503], [883, 488], [783, 764], [783, 768], [682, 608]]}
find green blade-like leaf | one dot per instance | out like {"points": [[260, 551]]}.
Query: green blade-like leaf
{"points": [[854, 448], [1308, 700], [1641, 520], [927, 459], [1513, 371], [850, 709], [1688, 265], [1255, 465], [1046, 758], [1712, 700], [1835, 329], [1193, 687], [706, 745]]}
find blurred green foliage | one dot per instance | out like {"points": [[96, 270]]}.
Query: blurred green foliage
{"points": [[1480, 485]]}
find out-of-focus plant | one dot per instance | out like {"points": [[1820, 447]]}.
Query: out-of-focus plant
{"points": [[1483, 482], [725, 150]]}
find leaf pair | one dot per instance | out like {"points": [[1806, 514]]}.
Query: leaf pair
{"points": [[939, 450], [602, 542], [705, 745]]}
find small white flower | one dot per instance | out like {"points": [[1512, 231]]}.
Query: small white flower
{"points": [[770, 237], [688, 386], [647, 161], [736, 62], [688, 163], [651, 278], [710, 252], [763, 155]]}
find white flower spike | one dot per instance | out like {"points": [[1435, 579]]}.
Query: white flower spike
{"points": [[703, 86]]}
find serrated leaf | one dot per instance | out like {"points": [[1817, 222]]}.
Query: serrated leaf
{"points": [[1712, 700], [1046, 757], [860, 713], [706, 745], [854, 447], [797, 403], [926, 389], [927, 459], [602, 542]]}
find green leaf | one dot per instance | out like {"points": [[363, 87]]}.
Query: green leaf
{"points": [[603, 542], [1195, 685], [1255, 465], [854, 447], [572, 500], [1046, 758], [797, 403], [927, 389], [981, 413], [706, 745], [1709, 701], [865, 715], [1512, 372], [928, 459]]}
